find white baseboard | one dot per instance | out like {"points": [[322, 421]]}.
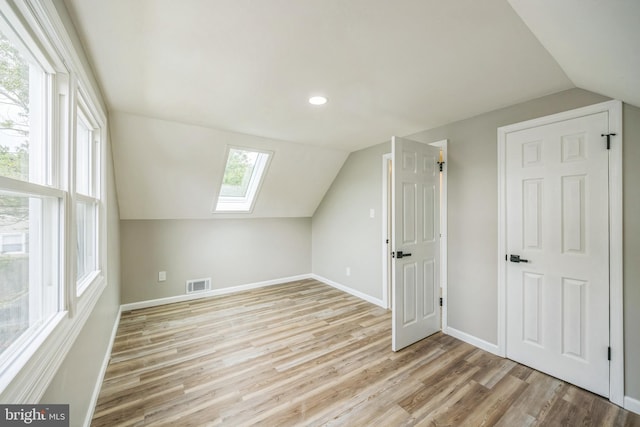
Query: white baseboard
{"points": [[348, 290], [470, 339], [233, 289], [631, 404], [211, 293], [103, 370]]}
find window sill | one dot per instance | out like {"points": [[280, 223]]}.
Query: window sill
{"points": [[88, 281], [26, 379], [16, 362]]}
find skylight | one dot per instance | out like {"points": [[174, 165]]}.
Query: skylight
{"points": [[241, 181]]}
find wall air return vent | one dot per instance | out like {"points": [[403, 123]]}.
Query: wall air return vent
{"points": [[198, 285]]}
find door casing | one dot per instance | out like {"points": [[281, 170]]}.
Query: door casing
{"points": [[614, 109]]}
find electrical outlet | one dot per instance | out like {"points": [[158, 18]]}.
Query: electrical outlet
{"points": [[348, 271], [372, 213], [162, 276]]}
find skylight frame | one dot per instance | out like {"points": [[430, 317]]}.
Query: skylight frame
{"points": [[243, 204]]}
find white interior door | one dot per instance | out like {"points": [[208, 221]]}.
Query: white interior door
{"points": [[557, 205], [415, 242]]}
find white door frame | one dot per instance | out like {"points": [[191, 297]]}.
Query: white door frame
{"points": [[614, 109], [386, 232], [386, 283]]}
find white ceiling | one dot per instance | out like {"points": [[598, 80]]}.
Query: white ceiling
{"points": [[596, 42], [387, 67], [183, 79]]}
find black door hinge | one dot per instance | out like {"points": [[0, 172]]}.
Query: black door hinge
{"points": [[441, 164], [440, 301], [608, 353], [608, 135]]}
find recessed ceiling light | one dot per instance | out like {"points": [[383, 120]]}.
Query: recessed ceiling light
{"points": [[317, 100]]}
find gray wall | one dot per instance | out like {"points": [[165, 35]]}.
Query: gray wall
{"points": [[341, 226], [344, 235], [231, 251], [472, 180], [76, 379]]}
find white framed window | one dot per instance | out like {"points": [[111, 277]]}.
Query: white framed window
{"points": [[52, 203], [51, 198], [243, 175], [87, 195], [30, 291], [30, 285], [25, 149]]}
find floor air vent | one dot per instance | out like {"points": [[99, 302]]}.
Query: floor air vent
{"points": [[198, 285]]}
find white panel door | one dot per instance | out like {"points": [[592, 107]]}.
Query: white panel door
{"points": [[415, 242], [557, 223]]}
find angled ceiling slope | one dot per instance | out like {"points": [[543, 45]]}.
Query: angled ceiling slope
{"points": [[169, 170], [388, 67], [596, 42]]}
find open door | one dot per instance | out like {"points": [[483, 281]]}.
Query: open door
{"points": [[415, 241]]}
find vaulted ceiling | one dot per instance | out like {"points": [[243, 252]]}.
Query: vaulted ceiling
{"points": [[247, 67]]}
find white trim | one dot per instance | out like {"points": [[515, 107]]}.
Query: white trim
{"points": [[29, 188], [214, 292], [37, 373], [616, 335], [502, 244], [470, 339], [29, 35], [228, 204], [57, 32], [616, 297], [386, 246], [103, 369], [355, 293], [631, 404], [443, 231], [87, 281]]}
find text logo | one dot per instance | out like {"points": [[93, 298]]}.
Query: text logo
{"points": [[34, 415]]}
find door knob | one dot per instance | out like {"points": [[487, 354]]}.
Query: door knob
{"points": [[516, 258], [401, 254]]}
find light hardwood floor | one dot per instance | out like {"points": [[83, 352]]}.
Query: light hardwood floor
{"points": [[304, 353]]}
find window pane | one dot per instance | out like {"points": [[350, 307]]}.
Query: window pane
{"points": [[83, 158], [86, 239], [242, 176], [23, 151], [29, 293], [238, 172]]}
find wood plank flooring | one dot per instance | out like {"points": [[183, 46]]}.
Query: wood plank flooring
{"points": [[307, 354]]}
